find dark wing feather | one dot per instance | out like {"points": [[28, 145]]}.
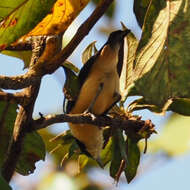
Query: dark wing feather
{"points": [[85, 71]]}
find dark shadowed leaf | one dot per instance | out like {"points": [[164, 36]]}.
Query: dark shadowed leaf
{"points": [[7, 118], [140, 9], [71, 89], [3, 184], [33, 148], [181, 106], [133, 155], [164, 58], [19, 17], [119, 155]]}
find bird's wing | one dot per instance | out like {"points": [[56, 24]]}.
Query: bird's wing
{"points": [[84, 72]]}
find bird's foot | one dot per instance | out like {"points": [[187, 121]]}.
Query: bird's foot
{"points": [[88, 113]]}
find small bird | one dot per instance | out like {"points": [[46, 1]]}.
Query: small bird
{"points": [[99, 91]]}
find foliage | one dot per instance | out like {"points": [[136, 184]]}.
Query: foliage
{"points": [[155, 68]]}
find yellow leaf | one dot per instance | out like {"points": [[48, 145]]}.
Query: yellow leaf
{"points": [[63, 13]]}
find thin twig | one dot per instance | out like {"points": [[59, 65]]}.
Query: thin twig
{"points": [[43, 67]]}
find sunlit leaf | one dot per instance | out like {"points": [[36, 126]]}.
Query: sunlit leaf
{"points": [[106, 154], [19, 17], [63, 13], [127, 75], [89, 52], [82, 161]]}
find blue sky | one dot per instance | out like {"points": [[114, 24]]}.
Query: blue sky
{"points": [[173, 174]]}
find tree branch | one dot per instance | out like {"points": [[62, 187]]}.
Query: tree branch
{"points": [[47, 67], [17, 97], [131, 126]]}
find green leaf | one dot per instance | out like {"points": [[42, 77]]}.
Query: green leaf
{"points": [[181, 106], [106, 153], [82, 161], [19, 17], [118, 155], [89, 52], [163, 60], [140, 9], [33, 147], [33, 150], [71, 88], [3, 184], [116, 158], [74, 149], [133, 156], [174, 137], [71, 66], [7, 118]]}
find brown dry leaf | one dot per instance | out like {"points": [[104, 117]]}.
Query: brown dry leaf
{"points": [[63, 13]]}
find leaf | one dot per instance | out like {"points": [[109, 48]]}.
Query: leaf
{"points": [[7, 118], [57, 146], [89, 52], [119, 156], [164, 58], [71, 89], [181, 106], [3, 184], [82, 161], [127, 74], [63, 13], [133, 156], [174, 137], [106, 153], [71, 66], [19, 17], [140, 10], [33, 148]]}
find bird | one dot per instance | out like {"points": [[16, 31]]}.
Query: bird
{"points": [[98, 91]]}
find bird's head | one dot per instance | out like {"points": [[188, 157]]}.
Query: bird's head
{"points": [[116, 37]]}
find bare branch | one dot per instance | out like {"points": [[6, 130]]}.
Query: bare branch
{"points": [[131, 126], [47, 67]]}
